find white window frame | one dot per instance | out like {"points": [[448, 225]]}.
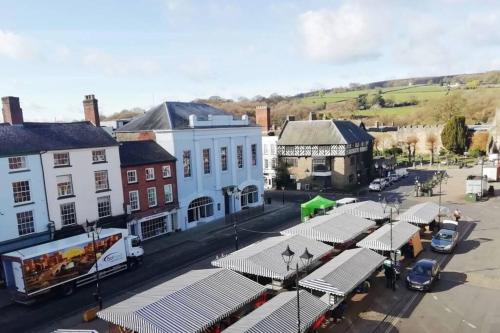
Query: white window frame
{"points": [[64, 190], [186, 163], [137, 201], [14, 161], [239, 157], [169, 193], [27, 225], [150, 173], [149, 191], [206, 161], [223, 158], [99, 156], [253, 152], [68, 213], [101, 200], [166, 171], [59, 156], [24, 192], [100, 185], [129, 173]]}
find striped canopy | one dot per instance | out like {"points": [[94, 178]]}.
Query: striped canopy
{"points": [[380, 239], [191, 302], [366, 209], [279, 315], [423, 213], [264, 258], [343, 273], [335, 228]]}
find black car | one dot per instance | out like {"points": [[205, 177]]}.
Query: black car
{"points": [[423, 275]]}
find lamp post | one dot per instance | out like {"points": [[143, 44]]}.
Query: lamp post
{"points": [[234, 193], [92, 228], [481, 159], [283, 194], [305, 258], [308, 172], [441, 176], [392, 254]]}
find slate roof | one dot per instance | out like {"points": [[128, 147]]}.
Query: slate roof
{"points": [[322, 132], [143, 152], [30, 138], [171, 115]]}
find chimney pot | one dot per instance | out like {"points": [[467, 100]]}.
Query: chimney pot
{"points": [[11, 110], [91, 110]]}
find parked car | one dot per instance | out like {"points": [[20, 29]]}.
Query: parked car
{"points": [[376, 185], [402, 172], [423, 275], [450, 225], [394, 177], [444, 241]]}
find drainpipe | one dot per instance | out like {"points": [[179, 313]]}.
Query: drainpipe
{"points": [[51, 226]]}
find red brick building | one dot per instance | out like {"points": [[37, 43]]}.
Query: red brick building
{"points": [[149, 188]]}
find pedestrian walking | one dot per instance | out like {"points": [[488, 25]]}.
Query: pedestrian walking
{"points": [[457, 214]]}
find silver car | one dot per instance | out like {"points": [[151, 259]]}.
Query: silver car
{"points": [[444, 241]]}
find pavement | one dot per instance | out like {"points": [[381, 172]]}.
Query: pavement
{"points": [[466, 299]]}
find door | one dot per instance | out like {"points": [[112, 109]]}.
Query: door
{"points": [[18, 276], [226, 204]]}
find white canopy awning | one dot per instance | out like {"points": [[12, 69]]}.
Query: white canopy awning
{"points": [[366, 209], [189, 303], [423, 213], [264, 258], [334, 228], [343, 273], [279, 315], [380, 239]]}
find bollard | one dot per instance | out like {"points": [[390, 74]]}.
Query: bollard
{"points": [[90, 314]]}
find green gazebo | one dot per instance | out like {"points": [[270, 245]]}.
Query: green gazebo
{"points": [[318, 202]]}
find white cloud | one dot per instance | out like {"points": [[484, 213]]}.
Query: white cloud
{"points": [[112, 65], [197, 69], [15, 46], [352, 32]]}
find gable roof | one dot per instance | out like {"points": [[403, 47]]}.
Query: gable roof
{"points": [[191, 302], [143, 152], [31, 138], [171, 115], [322, 132]]}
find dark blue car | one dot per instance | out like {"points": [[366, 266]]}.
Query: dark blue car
{"points": [[423, 275]]}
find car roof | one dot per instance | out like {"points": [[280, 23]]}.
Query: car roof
{"points": [[446, 231], [426, 262]]}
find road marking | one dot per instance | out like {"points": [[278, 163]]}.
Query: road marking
{"points": [[448, 310], [435, 297], [469, 324]]}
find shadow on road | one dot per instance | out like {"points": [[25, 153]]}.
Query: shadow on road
{"points": [[449, 280]]}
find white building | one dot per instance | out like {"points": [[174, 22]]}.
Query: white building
{"points": [[219, 158], [270, 160], [80, 165]]}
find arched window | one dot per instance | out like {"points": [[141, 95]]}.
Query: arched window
{"points": [[200, 208], [249, 195]]}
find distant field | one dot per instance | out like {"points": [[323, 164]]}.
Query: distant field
{"points": [[402, 111]]}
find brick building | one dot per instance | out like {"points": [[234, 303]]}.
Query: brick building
{"points": [[149, 188]]}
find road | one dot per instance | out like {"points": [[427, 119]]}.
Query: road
{"points": [[156, 269]]}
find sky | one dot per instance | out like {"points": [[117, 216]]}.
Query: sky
{"points": [[140, 53]]}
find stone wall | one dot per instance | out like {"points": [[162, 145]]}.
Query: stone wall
{"points": [[421, 133]]}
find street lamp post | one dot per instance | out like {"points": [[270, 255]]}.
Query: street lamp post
{"points": [[283, 194], [236, 241], [93, 229], [392, 254], [481, 159], [305, 258]]}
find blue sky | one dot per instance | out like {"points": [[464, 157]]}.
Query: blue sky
{"points": [[139, 53]]}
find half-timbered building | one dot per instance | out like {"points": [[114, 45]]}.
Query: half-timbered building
{"points": [[326, 153]]}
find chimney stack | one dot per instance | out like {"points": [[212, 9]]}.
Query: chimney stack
{"points": [[11, 110], [91, 110], [312, 115], [263, 117]]}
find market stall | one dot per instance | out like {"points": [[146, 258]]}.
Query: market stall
{"points": [[370, 210], [311, 207], [193, 302], [279, 315], [332, 228], [423, 213], [264, 259], [341, 275]]}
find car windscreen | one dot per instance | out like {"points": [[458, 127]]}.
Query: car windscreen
{"points": [[445, 236], [375, 182], [422, 270]]}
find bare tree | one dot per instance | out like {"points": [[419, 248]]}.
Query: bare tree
{"points": [[411, 141], [431, 141]]}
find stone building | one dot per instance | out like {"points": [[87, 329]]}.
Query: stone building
{"points": [[325, 153]]}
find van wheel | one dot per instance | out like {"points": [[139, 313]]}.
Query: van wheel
{"points": [[132, 265], [68, 289]]}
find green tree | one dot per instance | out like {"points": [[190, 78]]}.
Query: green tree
{"points": [[454, 135], [362, 102], [282, 174], [450, 106]]}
